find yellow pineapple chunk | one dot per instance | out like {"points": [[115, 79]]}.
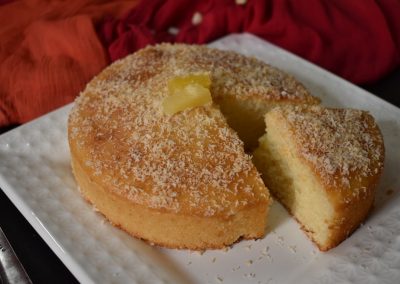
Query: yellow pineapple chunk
{"points": [[187, 92], [179, 82]]}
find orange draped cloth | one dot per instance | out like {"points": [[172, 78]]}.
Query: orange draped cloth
{"points": [[51, 48]]}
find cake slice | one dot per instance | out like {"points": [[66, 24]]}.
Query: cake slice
{"points": [[323, 165]]}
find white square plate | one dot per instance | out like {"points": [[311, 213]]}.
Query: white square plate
{"points": [[35, 174]]}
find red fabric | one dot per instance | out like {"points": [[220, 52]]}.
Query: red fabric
{"points": [[48, 52], [358, 40]]}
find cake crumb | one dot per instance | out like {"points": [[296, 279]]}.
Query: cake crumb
{"points": [[280, 241], [214, 259], [363, 266], [249, 262], [249, 275], [293, 249], [265, 250], [248, 247], [220, 279], [236, 268]]}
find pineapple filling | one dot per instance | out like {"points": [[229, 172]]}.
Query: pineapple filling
{"points": [[187, 92]]}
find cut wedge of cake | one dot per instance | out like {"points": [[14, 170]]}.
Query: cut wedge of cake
{"points": [[166, 166], [323, 165]]}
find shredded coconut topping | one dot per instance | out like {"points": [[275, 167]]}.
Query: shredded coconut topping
{"points": [[343, 145], [188, 162]]}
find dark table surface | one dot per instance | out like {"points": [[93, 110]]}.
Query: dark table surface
{"points": [[43, 266]]}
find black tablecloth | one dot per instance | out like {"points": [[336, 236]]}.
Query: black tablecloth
{"points": [[43, 266]]}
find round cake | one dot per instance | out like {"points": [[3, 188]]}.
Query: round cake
{"points": [[180, 180]]}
